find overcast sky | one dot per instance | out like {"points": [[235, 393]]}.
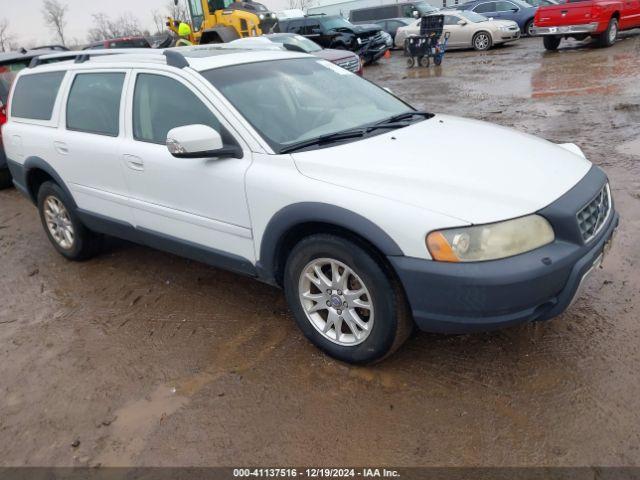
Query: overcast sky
{"points": [[25, 16]]}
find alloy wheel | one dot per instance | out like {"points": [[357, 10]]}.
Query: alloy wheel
{"points": [[59, 223], [613, 32], [336, 301], [482, 41]]}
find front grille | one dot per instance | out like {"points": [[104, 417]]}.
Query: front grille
{"points": [[593, 216], [351, 64]]}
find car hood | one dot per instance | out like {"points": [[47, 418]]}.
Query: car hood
{"points": [[364, 29], [466, 169], [333, 55]]}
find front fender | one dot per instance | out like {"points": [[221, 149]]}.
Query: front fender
{"points": [[312, 212]]}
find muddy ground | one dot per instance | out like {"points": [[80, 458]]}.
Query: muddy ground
{"points": [[142, 358]]}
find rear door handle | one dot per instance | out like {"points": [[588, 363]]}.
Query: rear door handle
{"points": [[61, 148], [134, 162]]}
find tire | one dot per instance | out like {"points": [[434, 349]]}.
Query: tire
{"points": [[6, 180], [384, 313], [527, 28], [482, 41], [608, 37], [424, 61], [411, 62], [78, 243], [437, 60], [551, 42]]}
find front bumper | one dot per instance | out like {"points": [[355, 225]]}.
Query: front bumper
{"points": [[586, 28], [538, 285], [371, 53]]}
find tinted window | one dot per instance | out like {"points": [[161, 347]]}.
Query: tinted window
{"points": [[485, 7], [451, 20], [7, 75], [310, 28], [94, 103], [504, 6], [161, 103], [35, 95], [134, 43], [294, 26]]}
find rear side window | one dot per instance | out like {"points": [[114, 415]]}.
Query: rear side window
{"points": [[161, 104], [94, 103], [485, 7], [35, 95]]}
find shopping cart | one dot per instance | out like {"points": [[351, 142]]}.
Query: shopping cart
{"points": [[429, 44]]}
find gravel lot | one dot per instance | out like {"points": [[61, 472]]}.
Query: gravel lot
{"points": [[141, 358]]}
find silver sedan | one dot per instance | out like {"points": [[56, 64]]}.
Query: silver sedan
{"points": [[468, 30]]}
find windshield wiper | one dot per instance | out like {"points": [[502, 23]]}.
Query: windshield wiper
{"points": [[405, 116], [331, 137]]}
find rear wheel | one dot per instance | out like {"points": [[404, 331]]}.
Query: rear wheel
{"points": [[528, 28], [63, 227], [482, 41], [438, 59], [411, 62], [5, 178], [424, 61], [608, 37], [344, 301], [551, 42]]}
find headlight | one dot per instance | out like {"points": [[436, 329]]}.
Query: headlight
{"points": [[359, 41], [261, 16], [491, 241], [504, 28]]}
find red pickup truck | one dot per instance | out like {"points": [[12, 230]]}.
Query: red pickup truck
{"points": [[599, 19]]}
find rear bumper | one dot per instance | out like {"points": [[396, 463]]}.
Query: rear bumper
{"points": [[586, 28], [538, 285]]}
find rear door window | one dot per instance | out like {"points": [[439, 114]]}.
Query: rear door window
{"points": [[94, 103], [35, 95]]}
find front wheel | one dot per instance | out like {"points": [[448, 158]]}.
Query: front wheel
{"points": [[551, 42], [411, 62], [344, 301], [608, 37], [482, 41], [424, 61]]}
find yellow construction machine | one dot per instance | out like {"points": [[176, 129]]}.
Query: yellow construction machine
{"points": [[221, 21]]}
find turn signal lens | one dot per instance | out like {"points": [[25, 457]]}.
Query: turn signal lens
{"points": [[490, 242]]}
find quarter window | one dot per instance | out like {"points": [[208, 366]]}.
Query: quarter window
{"points": [[94, 103], [161, 104], [505, 6], [35, 95]]}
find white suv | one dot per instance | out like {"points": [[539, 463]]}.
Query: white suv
{"points": [[372, 216]]}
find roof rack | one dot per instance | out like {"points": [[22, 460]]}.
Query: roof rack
{"points": [[174, 58]]}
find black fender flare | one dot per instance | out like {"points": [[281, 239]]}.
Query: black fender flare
{"points": [[298, 214], [37, 163]]}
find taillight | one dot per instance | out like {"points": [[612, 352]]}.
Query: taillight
{"points": [[3, 114]]}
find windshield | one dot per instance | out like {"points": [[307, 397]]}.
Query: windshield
{"points": [[473, 16], [425, 8], [7, 75], [335, 23], [304, 43], [290, 101]]}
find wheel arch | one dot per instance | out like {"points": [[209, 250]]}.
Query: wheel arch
{"points": [[295, 222], [36, 172], [616, 15]]}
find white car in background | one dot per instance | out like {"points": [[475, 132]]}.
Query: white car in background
{"points": [[467, 30], [372, 216]]}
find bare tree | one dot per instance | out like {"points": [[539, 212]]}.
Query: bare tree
{"points": [[104, 27], [159, 21], [178, 11], [6, 37], [55, 14], [301, 4]]}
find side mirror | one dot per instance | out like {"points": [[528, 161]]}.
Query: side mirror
{"points": [[199, 141], [462, 23]]}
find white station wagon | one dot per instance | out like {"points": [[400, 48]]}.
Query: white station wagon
{"points": [[372, 216]]}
